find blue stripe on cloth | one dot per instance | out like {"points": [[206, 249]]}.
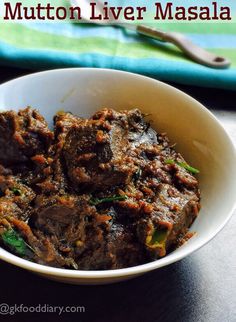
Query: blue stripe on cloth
{"points": [[155, 68]]}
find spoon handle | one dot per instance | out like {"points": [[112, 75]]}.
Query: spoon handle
{"points": [[195, 52]]}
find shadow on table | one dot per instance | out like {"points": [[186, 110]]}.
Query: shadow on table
{"points": [[164, 295]]}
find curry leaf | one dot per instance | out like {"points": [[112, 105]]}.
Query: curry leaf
{"points": [[13, 240], [16, 191], [97, 201]]}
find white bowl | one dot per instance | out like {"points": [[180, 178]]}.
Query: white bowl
{"points": [[198, 134]]}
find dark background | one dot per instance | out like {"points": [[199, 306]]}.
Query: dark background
{"points": [[199, 288]]}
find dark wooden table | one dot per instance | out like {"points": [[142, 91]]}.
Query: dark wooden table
{"points": [[200, 288]]}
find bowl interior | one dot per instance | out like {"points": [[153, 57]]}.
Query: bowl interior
{"points": [[198, 135]]}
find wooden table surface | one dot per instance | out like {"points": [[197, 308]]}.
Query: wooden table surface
{"points": [[199, 288]]}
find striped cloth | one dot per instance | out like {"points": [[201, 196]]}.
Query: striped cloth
{"points": [[54, 45]]}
